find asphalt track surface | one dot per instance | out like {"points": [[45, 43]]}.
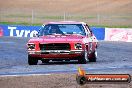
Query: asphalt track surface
{"points": [[113, 57]]}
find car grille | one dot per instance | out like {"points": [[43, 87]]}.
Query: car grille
{"points": [[55, 46]]}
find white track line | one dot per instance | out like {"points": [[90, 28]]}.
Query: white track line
{"points": [[18, 75]]}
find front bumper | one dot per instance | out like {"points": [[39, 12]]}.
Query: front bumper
{"points": [[56, 53]]}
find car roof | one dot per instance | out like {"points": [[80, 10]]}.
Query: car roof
{"points": [[66, 22]]}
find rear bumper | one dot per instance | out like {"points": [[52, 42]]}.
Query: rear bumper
{"points": [[56, 53]]}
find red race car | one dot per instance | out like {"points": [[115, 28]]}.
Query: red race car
{"points": [[65, 40]]}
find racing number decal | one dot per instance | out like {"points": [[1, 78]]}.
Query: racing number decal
{"points": [[90, 35], [91, 44]]}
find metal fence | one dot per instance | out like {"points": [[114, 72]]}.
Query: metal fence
{"points": [[36, 17]]}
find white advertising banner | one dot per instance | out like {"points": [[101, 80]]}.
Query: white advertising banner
{"points": [[118, 34]]}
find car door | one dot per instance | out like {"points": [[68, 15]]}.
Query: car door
{"points": [[94, 41], [90, 39]]}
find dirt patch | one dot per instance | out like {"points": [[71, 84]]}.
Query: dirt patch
{"points": [[71, 6], [51, 81], [101, 12]]}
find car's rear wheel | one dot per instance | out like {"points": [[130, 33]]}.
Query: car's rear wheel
{"points": [[93, 56], [84, 58], [32, 60]]}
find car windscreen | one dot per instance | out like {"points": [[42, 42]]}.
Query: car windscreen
{"points": [[63, 29]]}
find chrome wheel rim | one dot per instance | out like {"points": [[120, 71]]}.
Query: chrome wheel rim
{"points": [[96, 54], [86, 55]]}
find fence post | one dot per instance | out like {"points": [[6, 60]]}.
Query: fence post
{"points": [[64, 16], [98, 19], [98, 15], [32, 16]]}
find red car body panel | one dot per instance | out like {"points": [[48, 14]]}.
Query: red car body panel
{"points": [[1, 32]]}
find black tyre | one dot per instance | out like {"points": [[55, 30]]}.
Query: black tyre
{"points": [[45, 61], [93, 57], [84, 58], [32, 60], [67, 60]]}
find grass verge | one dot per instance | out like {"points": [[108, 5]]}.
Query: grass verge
{"points": [[39, 24]]}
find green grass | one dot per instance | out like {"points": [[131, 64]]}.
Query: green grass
{"points": [[122, 17], [18, 16], [19, 23], [112, 26], [49, 17], [37, 19], [39, 24]]}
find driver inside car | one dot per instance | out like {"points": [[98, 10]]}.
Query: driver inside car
{"points": [[55, 29]]}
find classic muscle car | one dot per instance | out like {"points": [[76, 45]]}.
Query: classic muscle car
{"points": [[64, 40]]}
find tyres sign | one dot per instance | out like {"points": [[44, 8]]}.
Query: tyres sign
{"points": [[19, 31]]}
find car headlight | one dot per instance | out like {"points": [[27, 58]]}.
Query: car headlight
{"points": [[31, 46], [78, 46]]}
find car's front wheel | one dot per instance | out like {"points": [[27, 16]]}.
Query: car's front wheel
{"points": [[84, 58], [32, 60], [93, 56]]}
